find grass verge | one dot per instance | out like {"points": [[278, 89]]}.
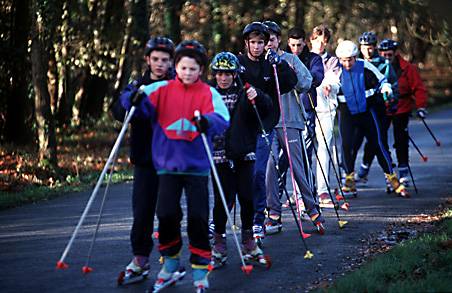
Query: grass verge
{"points": [[423, 264]]}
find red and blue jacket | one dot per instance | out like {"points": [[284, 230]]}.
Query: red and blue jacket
{"points": [[177, 146]]}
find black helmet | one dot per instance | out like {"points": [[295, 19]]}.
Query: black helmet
{"points": [[273, 27], [388, 44], [161, 44], [225, 61], [193, 49], [368, 38], [257, 27]]}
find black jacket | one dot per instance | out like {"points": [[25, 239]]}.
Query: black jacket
{"points": [[241, 136], [260, 75]]}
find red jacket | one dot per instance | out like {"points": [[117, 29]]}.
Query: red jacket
{"points": [[411, 88]]}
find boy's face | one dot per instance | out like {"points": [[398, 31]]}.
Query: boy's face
{"points": [[273, 42], [159, 62], [224, 79], [188, 70], [319, 43], [296, 45], [389, 54], [256, 46], [367, 51], [348, 62]]}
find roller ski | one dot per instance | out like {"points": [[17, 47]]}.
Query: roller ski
{"points": [[317, 221], [133, 273], [398, 188], [404, 176], [259, 235], [200, 280], [252, 253], [169, 275], [219, 251], [273, 224], [340, 201], [349, 188], [361, 176]]}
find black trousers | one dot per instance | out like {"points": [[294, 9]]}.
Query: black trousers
{"points": [[144, 200], [236, 180], [367, 123], [400, 128], [169, 213]]}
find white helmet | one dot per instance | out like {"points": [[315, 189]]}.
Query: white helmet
{"points": [[346, 49]]}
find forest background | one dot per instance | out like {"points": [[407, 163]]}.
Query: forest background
{"points": [[63, 63]]}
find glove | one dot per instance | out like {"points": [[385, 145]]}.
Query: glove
{"points": [[201, 123], [421, 113], [386, 88], [391, 105], [273, 57], [137, 95]]}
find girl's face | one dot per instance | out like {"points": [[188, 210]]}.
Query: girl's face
{"points": [[188, 70], [224, 79]]}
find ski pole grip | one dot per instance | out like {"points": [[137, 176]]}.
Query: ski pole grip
{"points": [[137, 98], [247, 86], [197, 115]]}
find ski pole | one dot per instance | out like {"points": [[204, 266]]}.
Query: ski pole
{"points": [[412, 178], [60, 263], [346, 205], [438, 143], [245, 268], [424, 158], [308, 254], [86, 268]]}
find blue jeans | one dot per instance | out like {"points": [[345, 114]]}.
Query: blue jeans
{"points": [[260, 167]]}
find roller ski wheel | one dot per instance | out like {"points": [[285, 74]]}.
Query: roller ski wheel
{"points": [[133, 274], [161, 284], [402, 192], [218, 261], [201, 289], [320, 228]]}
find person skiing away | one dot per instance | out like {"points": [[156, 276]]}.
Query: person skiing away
{"points": [[384, 109], [259, 73], [234, 155], [412, 94], [294, 124], [180, 160], [326, 109], [360, 84], [159, 52]]}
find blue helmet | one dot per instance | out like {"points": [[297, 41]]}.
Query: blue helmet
{"points": [[388, 44], [225, 61], [368, 38]]}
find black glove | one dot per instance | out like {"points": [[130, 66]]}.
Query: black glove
{"points": [[421, 113], [273, 57], [391, 105], [137, 95], [201, 123]]}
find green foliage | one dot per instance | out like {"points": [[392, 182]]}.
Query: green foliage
{"points": [[420, 265]]}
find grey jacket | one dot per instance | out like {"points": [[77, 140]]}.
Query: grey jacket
{"points": [[293, 109]]}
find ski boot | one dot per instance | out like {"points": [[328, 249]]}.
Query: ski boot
{"points": [[136, 271], [362, 174], [399, 188], [325, 201], [219, 251], [200, 281], [259, 235], [273, 224], [211, 230], [170, 273], [349, 187], [404, 176], [252, 253], [318, 221]]}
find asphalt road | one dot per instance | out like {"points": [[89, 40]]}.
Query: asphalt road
{"points": [[33, 237]]}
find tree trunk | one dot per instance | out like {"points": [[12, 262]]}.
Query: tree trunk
{"points": [[44, 117], [19, 107], [172, 19], [300, 12]]}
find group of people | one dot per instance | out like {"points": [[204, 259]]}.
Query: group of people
{"points": [[264, 114]]}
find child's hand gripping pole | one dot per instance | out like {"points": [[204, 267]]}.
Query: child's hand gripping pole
{"points": [[245, 268]]}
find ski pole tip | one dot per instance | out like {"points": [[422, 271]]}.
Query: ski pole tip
{"points": [[345, 206], [308, 254], [247, 269], [156, 235], [86, 270], [438, 143], [424, 158], [305, 235], [61, 265], [342, 224]]}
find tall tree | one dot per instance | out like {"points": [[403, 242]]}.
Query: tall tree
{"points": [[44, 118], [172, 19]]}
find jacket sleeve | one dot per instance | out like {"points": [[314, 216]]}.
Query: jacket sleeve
{"points": [[219, 118], [286, 77], [147, 107], [263, 103], [304, 77], [122, 104], [417, 87], [317, 71]]}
